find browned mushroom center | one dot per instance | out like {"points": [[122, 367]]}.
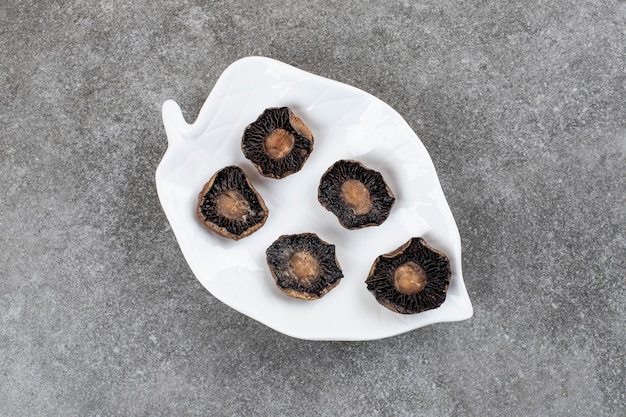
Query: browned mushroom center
{"points": [[304, 266], [356, 195], [409, 278], [232, 205], [278, 143]]}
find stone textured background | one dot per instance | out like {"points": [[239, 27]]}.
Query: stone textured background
{"points": [[521, 106]]}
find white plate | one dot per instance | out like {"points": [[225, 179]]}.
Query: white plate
{"points": [[347, 123]]}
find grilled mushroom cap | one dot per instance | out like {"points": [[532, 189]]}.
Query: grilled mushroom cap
{"points": [[358, 196], [411, 279], [230, 206], [303, 266], [278, 143]]}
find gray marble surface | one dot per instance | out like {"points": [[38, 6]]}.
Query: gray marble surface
{"points": [[520, 104]]}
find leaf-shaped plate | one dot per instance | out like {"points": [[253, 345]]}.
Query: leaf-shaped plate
{"points": [[347, 123]]}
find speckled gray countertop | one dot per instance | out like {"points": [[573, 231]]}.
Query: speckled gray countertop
{"points": [[520, 105]]}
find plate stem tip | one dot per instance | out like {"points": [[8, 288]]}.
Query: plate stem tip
{"points": [[173, 120]]}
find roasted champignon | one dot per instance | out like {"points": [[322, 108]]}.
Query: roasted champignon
{"points": [[230, 206], [358, 196], [303, 265], [411, 279], [278, 143]]}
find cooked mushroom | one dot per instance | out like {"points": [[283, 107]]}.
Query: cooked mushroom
{"points": [[411, 279], [358, 196], [230, 206], [303, 266], [278, 143]]}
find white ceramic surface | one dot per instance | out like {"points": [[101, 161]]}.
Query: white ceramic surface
{"points": [[347, 123]]}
